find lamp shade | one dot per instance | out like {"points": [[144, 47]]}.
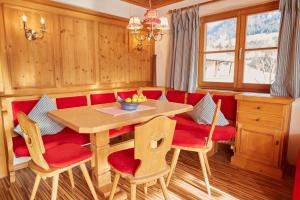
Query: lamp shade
{"points": [[134, 23], [151, 17], [164, 24]]}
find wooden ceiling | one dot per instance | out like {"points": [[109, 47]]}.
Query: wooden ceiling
{"points": [[155, 3]]}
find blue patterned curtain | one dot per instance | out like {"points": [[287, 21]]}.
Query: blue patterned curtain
{"points": [[184, 38], [287, 81]]}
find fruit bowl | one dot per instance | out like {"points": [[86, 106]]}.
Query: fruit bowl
{"points": [[132, 103], [128, 106]]}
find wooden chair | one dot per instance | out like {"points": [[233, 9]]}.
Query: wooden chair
{"points": [[54, 161], [193, 141], [146, 162]]}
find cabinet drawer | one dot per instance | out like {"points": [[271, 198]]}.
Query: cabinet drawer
{"points": [[260, 107], [254, 121]]}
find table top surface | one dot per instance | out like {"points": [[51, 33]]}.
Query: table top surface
{"points": [[87, 119]]}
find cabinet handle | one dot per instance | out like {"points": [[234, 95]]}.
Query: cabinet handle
{"points": [[258, 107], [277, 143], [257, 119]]}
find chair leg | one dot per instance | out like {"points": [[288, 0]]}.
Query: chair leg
{"points": [[88, 180], [204, 172], [164, 188], [114, 187], [173, 165], [133, 192], [54, 186], [35, 186], [207, 164], [70, 173]]}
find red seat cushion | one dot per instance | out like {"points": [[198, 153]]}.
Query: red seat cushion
{"points": [[65, 136], [69, 102], [221, 133], [194, 98], [22, 106], [121, 131], [185, 138], [176, 96], [126, 94], [296, 194], [152, 94], [124, 161], [228, 107], [102, 98], [66, 154]]}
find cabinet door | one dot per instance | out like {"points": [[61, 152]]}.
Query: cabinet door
{"points": [[259, 146]]}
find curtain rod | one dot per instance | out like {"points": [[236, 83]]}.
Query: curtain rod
{"points": [[195, 5]]}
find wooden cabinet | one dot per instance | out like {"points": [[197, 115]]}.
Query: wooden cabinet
{"points": [[263, 126]]}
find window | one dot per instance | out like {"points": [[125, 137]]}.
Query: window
{"points": [[238, 49]]}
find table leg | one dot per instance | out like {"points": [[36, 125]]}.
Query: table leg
{"points": [[101, 169]]}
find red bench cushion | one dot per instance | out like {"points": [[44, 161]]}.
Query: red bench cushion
{"points": [[22, 106], [69, 102], [296, 194], [65, 136], [185, 138], [221, 133], [124, 161], [152, 94], [102, 98], [126, 94], [228, 107], [176, 96], [66, 154], [194, 98]]}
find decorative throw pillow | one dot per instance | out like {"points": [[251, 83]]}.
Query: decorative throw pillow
{"points": [[162, 98], [39, 114], [203, 112]]}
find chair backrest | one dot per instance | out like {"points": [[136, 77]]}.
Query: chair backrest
{"points": [[32, 136], [214, 122], [152, 142]]}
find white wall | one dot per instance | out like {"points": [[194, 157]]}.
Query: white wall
{"points": [[113, 7]]}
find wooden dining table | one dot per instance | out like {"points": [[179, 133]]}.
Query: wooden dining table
{"points": [[89, 120]]}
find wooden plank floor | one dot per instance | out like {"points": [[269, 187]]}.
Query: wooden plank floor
{"points": [[228, 182]]}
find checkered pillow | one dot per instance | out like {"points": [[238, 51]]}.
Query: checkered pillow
{"points": [[162, 98], [39, 114], [203, 112]]}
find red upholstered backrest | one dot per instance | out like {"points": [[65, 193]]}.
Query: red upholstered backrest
{"points": [[176, 96], [194, 98], [152, 94], [102, 98], [296, 194], [69, 102], [126, 94], [22, 106], [228, 107]]}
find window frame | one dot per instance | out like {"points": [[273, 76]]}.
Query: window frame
{"points": [[239, 61]]}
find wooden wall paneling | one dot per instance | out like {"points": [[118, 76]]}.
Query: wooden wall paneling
{"points": [[141, 62], [77, 51], [113, 54], [31, 64]]}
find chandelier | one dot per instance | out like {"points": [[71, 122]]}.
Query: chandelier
{"points": [[156, 27]]}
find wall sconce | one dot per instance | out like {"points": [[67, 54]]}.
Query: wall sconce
{"points": [[31, 34]]}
